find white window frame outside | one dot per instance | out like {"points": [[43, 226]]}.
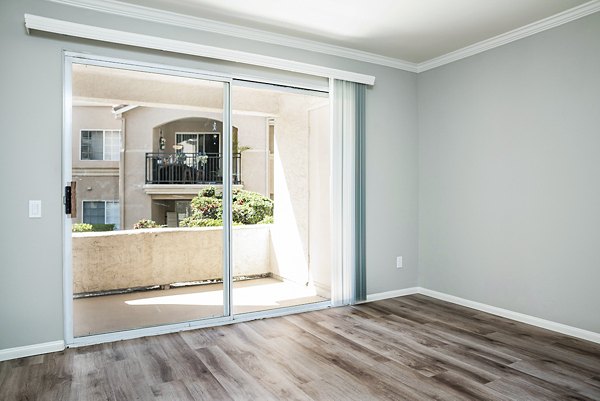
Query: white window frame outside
{"points": [[199, 134], [104, 131], [83, 202]]}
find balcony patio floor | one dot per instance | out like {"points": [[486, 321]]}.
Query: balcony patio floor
{"points": [[110, 313]]}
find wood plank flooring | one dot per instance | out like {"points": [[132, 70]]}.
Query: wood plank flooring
{"points": [[406, 348]]}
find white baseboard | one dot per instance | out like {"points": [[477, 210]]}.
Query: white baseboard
{"points": [[29, 350], [54, 346], [392, 294], [519, 317]]}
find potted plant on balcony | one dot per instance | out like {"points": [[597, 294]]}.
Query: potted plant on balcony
{"points": [[202, 159]]}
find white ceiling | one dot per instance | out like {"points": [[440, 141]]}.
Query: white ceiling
{"points": [[409, 30]]}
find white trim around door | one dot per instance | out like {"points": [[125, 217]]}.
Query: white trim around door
{"points": [[75, 58], [34, 22], [71, 58]]}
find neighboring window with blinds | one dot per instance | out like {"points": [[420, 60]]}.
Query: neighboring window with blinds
{"points": [[100, 145], [112, 213], [92, 145], [112, 145], [94, 212], [101, 212]]}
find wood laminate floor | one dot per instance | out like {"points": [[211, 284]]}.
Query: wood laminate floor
{"points": [[407, 348]]}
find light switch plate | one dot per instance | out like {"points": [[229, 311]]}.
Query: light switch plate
{"points": [[35, 209], [399, 262]]}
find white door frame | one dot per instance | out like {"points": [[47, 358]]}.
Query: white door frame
{"points": [[338, 270]]}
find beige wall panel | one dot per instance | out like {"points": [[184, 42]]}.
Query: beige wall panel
{"points": [[320, 200], [140, 258], [91, 118], [289, 258]]}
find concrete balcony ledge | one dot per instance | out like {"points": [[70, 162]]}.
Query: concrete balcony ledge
{"points": [[116, 260], [163, 230]]}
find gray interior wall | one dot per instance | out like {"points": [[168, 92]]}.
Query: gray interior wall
{"points": [[31, 78], [510, 176]]}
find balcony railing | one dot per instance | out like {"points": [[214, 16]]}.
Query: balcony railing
{"points": [[190, 168]]}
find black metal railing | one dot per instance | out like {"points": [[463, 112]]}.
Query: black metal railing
{"points": [[190, 168]]}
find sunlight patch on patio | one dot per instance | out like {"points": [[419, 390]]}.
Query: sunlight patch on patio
{"points": [[111, 313]]}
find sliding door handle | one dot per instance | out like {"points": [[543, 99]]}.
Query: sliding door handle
{"points": [[70, 199]]}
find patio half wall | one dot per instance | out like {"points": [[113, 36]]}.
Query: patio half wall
{"points": [[105, 261]]}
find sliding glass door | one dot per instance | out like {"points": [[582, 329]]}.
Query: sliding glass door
{"points": [[184, 207], [147, 155], [281, 242]]}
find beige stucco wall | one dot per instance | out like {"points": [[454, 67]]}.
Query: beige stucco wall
{"points": [[96, 179], [254, 171], [142, 88], [95, 189], [252, 132], [139, 258], [157, 90], [90, 118], [289, 258], [140, 123], [319, 207], [163, 100], [141, 136]]}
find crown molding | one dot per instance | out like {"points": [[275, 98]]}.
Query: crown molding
{"points": [[514, 35], [170, 18], [116, 7], [51, 25]]}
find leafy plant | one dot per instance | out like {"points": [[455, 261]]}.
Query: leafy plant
{"points": [[207, 207], [146, 223], [267, 220], [247, 208], [86, 228], [191, 221], [103, 227], [81, 228], [250, 207]]}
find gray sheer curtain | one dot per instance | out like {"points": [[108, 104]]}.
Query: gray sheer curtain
{"points": [[349, 106]]}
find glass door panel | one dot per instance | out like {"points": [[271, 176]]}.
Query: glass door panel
{"points": [[147, 241], [281, 245]]}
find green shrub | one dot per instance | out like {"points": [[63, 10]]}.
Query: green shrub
{"points": [[266, 220], [247, 208], [103, 227], [207, 207], [146, 223], [250, 207], [86, 228], [81, 228], [192, 221], [207, 192]]}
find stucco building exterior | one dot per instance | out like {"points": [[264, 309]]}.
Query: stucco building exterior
{"points": [[127, 184]]}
